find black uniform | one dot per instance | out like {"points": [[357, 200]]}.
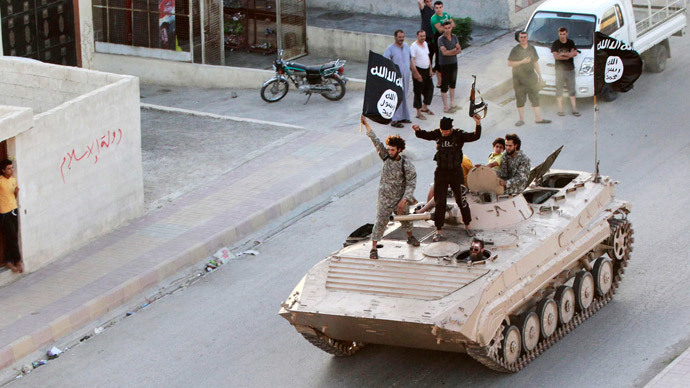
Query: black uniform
{"points": [[449, 170]]}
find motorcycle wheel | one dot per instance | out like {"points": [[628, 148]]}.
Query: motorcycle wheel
{"points": [[274, 90], [339, 91]]}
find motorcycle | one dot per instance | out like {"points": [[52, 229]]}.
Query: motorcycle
{"points": [[327, 80]]}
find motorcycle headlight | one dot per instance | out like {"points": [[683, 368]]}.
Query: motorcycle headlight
{"points": [[587, 67]]}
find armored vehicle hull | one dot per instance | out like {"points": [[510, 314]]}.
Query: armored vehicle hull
{"points": [[554, 255]]}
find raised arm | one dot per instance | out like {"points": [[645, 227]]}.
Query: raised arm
{"points": [[469, 137], [421, 4], [380, 148], [426, 135]]}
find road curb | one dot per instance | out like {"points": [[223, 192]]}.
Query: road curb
{"points": [[121, 294], [676, 374]]}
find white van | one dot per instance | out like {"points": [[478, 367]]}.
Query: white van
{"points": [[646, 24]]}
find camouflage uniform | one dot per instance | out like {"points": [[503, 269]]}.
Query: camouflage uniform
{"points": [[392, 188], [515, 171]]}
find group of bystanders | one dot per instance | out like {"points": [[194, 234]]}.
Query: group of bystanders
{"points": [[527, 78], [398, 178]]}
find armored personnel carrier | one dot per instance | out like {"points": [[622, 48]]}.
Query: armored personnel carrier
{"points": [[553, 256]]}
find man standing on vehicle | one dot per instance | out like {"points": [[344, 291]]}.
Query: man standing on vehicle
{"points": [[449, 142], [515, 166], [524, 60], [437, 21], [422, 85], [399, 53], [396, 188], [427, 11], [564, 50], [449, 48]]}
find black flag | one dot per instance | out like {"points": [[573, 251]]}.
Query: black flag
{"points": [[384, 89], [615, 64]]}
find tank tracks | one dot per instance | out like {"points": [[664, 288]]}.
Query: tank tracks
{"points": [[329, 345], [495, 361]]}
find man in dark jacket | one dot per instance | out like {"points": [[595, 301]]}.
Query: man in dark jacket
{"points": [[449, 142]]}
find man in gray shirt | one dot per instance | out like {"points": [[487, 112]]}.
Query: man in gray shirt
{"points": [[399, 53], [448, 49]]}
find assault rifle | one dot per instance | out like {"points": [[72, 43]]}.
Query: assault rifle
{"points": [[476, 108]]}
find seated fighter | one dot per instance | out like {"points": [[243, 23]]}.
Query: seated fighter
{"points": [[515, 166]]}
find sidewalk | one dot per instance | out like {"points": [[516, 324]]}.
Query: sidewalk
{"points": [[676, 375], [65, 296], [60, 298]]}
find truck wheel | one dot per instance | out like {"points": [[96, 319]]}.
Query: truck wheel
{"points": [[608, 94], [657, 58]]}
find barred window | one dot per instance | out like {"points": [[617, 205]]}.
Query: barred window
{"points": [[159, 24]]}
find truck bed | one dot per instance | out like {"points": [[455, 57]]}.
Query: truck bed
{"points": [[656, 20]]}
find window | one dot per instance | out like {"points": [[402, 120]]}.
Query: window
{"points": [[619, 14], [158, 24], [543, 28], [609, 23]]}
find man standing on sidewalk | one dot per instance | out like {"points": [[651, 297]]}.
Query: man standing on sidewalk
{"points": [[9, 216], [422, 85], [449, 48], [396, 188], [524, 60], [564, 50], [399, 53], [437, 21], [427, 11]]}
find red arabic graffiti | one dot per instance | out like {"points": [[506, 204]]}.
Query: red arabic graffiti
{"points": [[94, 149]]}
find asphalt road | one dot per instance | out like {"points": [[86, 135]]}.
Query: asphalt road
{"points": [[224, 330]]}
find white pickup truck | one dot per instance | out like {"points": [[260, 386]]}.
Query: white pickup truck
{"points": [[646, 24]]}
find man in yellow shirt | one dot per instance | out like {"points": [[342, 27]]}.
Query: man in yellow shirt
{"points": [[9, 216]]}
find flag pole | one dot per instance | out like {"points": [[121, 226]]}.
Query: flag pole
{"points": [[596, 111], [596, 137]]}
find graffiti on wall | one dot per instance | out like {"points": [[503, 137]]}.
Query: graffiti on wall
{"points": [[91, 152]]}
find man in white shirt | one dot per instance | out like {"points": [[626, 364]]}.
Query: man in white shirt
{"points": [[422, 72]]}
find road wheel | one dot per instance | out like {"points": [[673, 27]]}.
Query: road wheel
{"points": [[584, 290], [608, 94], [656, 62], [547, 310], [603, 275], [339, 91], [529, 330], [511, 346], [274, 90], [565, 299]]}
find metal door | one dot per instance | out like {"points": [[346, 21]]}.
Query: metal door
{"points": [[291, 23], [39, 29]]}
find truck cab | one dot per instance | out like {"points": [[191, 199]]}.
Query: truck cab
{"points": [[646, 25]]}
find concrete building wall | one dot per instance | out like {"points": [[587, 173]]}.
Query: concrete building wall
{"points": [[163, 72], [346, 44], [45, 90], [79, 165], [489, 13]]}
